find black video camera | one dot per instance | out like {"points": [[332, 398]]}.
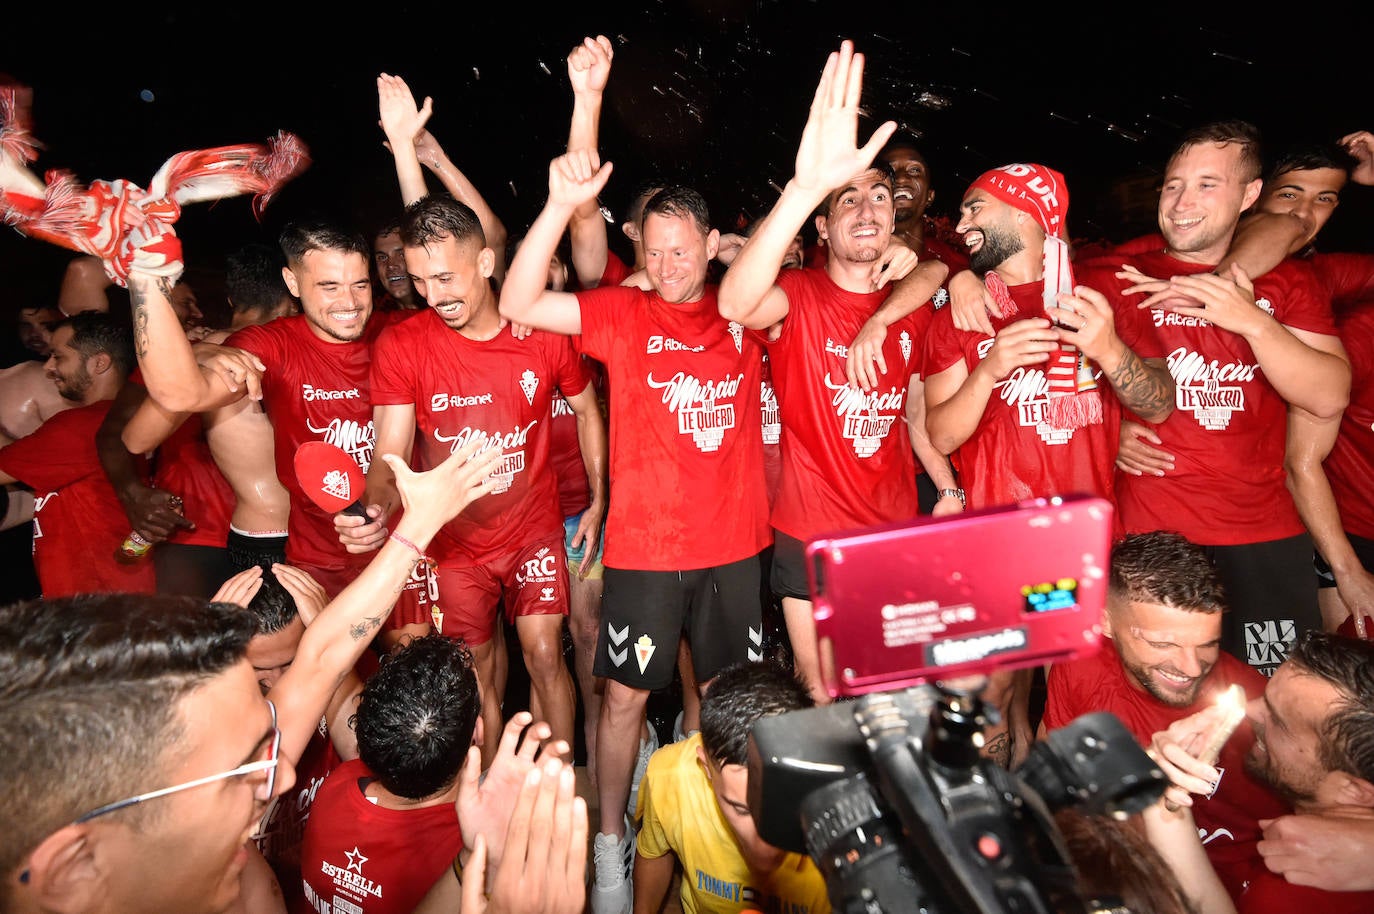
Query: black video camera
{"points": [[889, 793]]}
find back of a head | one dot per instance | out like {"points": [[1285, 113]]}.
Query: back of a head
{"points": [[440, 216], [1242, 134], [94, 332], [272, 606], [1165, 568], [89, 689], [1346, 663], [253, 280], [416, 717], [1114, 860], [736, 699], [300, 238]]}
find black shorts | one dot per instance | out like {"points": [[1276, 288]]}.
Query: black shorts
{"points": [[1364, 551], [644, 613], [788, 575], [246, 551], [1271, 598]]}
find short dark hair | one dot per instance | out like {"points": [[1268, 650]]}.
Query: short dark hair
{"points": [[1347, 742], [643, 189], [1312, 156], [679, 201], [253, 280], [440, 216], [90, 686], [1228, 133], [902, 139], [272, 605], [416, 716], [300, 238], [94, 332], [1166, 568], [737, 697], [880, 165]]}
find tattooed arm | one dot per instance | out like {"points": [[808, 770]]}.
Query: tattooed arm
{"points": [[339, 635], [1144, 386], [171, 371]]}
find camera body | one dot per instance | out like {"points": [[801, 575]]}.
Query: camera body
{"points": [[889, 793]]}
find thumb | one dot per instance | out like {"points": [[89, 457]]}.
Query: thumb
{"points": [[475, 878], [602, 175], [875, 142]]}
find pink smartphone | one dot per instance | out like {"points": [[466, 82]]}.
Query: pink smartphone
{"points": [[937, 598]]}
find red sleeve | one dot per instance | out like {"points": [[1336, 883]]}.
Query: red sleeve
{"points": [[569, 367], [256, 340], [942, 347], [616, 272], [61, 451], [1304, 304], [1348, 278], [391, 374]]}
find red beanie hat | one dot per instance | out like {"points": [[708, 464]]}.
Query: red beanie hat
{"points": [[1033, 189]]}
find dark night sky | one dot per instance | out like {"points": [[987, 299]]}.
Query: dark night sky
{"points": [[711, 91]]}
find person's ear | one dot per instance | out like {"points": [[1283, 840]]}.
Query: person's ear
{"points": [[64, 874], [1348, 790], [486, 262], [821, 233], [712, 244], [630, 229], [99, 363], [291, 283], [1252, 193], [478, 732]]}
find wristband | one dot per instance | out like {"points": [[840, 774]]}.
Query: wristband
{"points": [[420, 556]]}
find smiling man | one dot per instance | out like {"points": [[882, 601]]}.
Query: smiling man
{"points": [[1242, 352], [1165, 663]]}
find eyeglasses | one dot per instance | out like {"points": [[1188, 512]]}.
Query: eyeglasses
{"points": [[268, 764]]}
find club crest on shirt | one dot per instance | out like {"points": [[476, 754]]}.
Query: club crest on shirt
{"points": [[737, 334], [529, 383]]}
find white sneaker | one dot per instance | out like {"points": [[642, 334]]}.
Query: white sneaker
{"points": [[646, 748], [613, 862]]}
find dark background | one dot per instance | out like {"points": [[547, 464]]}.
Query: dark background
{"points": [[710, 91]]}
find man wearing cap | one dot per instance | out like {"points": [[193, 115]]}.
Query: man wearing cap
{"points": [[847, 454], [1034, 410]]}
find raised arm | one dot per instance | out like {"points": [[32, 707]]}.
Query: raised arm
{"points": [[336, 639], [589, 70], [827, 156], [401, 120], [171, 372], [433, 157], [574, 178]]}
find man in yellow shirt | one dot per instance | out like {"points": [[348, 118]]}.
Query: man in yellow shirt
{"points": [[692, 802]]}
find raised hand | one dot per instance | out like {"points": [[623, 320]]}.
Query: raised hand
{"points": [[576, 177], [589, 65], [829, 153], [400, 118]]}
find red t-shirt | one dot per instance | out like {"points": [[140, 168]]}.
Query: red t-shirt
{"points": [[1270, 893], [846, 457], [1016, 454], [1229, 820], [184, 466], [500, 390], [1350, 465], [1347, 278], [368, 859], [316, 391], [686, 459], [283, 826], [1227, 429], [771, 426], [78, 522], [616, 272]]}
